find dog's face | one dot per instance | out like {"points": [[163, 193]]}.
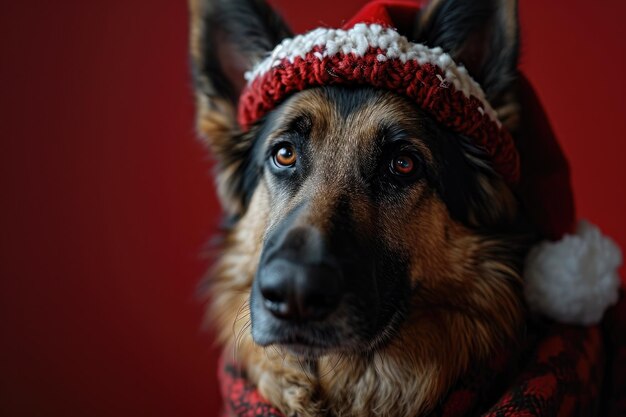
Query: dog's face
{"points": [[358, 221], [366, 223], [351, 178]]}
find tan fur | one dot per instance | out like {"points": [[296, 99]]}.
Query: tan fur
{"points": [[467, 307]]}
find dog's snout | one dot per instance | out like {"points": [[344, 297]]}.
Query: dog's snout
{"points": [[303, 244], [300, 281]]}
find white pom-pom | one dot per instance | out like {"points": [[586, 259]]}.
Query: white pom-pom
{"points": [[575, 279]]}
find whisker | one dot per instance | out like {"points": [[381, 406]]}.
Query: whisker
{"points": [[303, 370], [239, 310], [239, 338]]}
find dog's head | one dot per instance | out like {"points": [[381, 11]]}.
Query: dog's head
{"points": [[367, 212]]}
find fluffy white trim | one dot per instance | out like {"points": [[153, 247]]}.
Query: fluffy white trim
{"points": [[575, 279], [358, 40]]}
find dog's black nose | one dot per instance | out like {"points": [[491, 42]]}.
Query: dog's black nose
{"points": [[296, 291], [299, 279]]}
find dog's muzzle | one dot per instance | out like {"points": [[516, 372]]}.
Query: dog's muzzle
{"points": [[317, 290]]}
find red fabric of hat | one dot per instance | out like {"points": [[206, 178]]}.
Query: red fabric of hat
{"points": [[398, 14]]}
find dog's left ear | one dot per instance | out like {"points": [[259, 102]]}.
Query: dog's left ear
{"points": [[227, 38], [482, 35]]}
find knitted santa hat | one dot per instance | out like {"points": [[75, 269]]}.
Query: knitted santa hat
{"points": [[572, 277]]}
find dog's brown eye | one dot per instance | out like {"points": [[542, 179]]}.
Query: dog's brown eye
{"points": [[285, 156], [403, 164]]}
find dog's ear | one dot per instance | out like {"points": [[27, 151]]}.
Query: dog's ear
{"points": [[227, 37], [483, 35]]}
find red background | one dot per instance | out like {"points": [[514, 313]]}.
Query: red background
{"points": [[107, 202]]}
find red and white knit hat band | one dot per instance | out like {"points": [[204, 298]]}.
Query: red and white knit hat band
{"points": [[378, 56]]}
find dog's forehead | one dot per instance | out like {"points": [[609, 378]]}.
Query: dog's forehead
{"points": [[361, 117]]}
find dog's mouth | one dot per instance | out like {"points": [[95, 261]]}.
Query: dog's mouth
{"points": [[319, 338], [298, 339], [312, 342], [309, 345], [343, 333]]}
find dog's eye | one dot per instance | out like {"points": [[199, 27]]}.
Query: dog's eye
{"points": [[404, 165], [285, 156]]}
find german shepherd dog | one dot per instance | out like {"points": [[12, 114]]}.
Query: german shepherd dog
{"points": [[371, 256]]}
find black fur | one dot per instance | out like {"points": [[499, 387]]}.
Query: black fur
{"points": [[244, 179]]}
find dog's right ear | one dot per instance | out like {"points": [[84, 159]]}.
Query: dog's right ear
{"points": [[482, 35], [227, 37]]}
